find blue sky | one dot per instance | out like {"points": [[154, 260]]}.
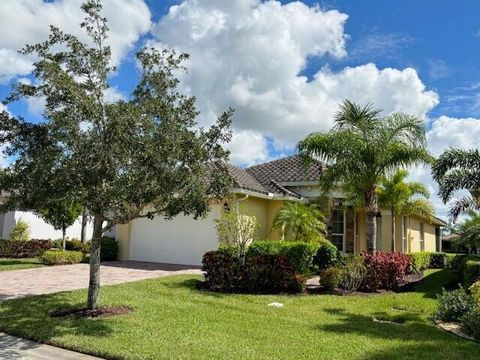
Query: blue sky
{"points": [[285, 66]]}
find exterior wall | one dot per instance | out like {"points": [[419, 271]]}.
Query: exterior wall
{"points": [[414, 234], [273, 207], [39, 229], [122, 234], [265, 211]]}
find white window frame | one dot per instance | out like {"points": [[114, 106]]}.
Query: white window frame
{"points": [[421, 230], [344, 245]]}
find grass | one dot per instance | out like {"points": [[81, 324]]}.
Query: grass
{"points": [[17, 264], [174, 320]]}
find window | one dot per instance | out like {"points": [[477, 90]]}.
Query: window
{"points": [[404, 234], [379, 233], [338, 228], [422, 238]]}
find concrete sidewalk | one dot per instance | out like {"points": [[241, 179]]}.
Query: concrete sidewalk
{"points": [[13, 348]]}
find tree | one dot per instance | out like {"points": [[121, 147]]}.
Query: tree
{"points": [[61, 215], [469, 231], [399, 196], [140, 157], [361, 149], [299, 221], [20, 232], [455, 170]]}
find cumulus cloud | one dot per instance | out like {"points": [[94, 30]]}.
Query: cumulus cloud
{"points": [[248, 148], [27, 21], [250, 55]]}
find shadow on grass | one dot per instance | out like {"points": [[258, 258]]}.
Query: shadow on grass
{"points": [[433, 283], [30, 318], [418, 339]]}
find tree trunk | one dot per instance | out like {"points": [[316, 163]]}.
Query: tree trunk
{"points": [[64, 233], [394, 239], [94, 284], [84, 225], [371, 210]]}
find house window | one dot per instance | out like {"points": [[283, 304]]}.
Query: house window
{"points": [[422, 238], [379, 233], [404, 234], [338, 228]]}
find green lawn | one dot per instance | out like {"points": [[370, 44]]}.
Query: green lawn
{"points": [[174, 320], [17, 264]]}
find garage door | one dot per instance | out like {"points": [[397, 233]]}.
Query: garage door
{"points": [[181, 240]]}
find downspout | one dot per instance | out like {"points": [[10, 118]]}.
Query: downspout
{"points": [[240, 200]]}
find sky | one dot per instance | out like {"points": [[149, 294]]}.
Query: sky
{"points": [[284, 66]]}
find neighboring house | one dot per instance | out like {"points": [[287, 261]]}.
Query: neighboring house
{"points": [[448, 241], [262, 189], [39, 229]]}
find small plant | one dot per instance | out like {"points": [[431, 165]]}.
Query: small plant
{"points": [[330, 278], [475, 291], [471, 322], [385, 270], [61, 257], [20, 232], [452, 305], [327, 255], [353, 273]]}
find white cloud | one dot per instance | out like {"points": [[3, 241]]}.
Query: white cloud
{"points": [[248, 148], [27, 21], [250, 55]]}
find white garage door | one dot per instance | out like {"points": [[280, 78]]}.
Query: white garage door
{"points": [[181, 240]]}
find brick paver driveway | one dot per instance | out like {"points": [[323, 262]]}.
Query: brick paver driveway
{"points": [[51, 279]]}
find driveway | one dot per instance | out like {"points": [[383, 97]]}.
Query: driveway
{"points": [[51, 279]]}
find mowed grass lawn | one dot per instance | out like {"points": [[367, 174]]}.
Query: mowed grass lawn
{"points": [[17, 264], [172, 320]]}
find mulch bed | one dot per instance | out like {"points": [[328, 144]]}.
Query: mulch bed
{"points": [[101, 312], [455, 329]]}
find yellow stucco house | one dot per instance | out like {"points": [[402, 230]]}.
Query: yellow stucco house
{"points": [[262, 189]]}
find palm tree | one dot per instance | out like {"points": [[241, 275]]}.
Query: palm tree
{"points": [[455, 170], [299, 221], [399, 196], [361, 149], [469, 231]]}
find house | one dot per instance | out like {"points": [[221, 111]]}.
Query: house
{"points": [[263, 189]]}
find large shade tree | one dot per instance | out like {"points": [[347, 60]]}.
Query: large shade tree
{"points": [[140, 157], [402, 198], [362, 149], [455, 170]]}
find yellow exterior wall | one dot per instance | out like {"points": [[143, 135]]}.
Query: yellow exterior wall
{"points": [[123, 237], [414, 234]]}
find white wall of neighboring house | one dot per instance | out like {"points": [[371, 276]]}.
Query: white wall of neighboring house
{"points": [[39, 229]]}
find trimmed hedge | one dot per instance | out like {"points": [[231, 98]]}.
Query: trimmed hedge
{"points": [[471, 272], [109, 249], [300, 254], [61, 257], [23, 249], [327, 255], [222, 270], [420, 261], [72, 245]]}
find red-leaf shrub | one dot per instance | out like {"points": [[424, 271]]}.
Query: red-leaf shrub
{"points": [[271, 274], [23, 249], [385, 270], [222, 270]]}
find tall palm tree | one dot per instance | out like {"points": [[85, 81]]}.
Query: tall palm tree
{"points": [[455, 170], [398, 195], [361, 149], [469, 231], [299, 221]]}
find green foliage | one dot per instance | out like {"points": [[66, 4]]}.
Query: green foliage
{"points": [[222, 269], [109, 249], [20, 232], [353, 272], [237, 228], [438, 260], [362, 148], [420, 261], [77, 245], [327, 255], [330, 277], [470, 272], [62, 214], [475, 291], [300, 254], [61, 257], [141, 156], [471, 322], [469, 231], [299, 221], [452, 305], [23, 249]]}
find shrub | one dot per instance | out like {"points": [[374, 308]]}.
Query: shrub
{"points": [[471, 322], [271, 274], [452, 305], [385, 270], [20, 232], [470, 272], [222, 270], [456, 261], [353, 273], [330, 277], [475, 291], [438, 260], [300, 254], [23, 249], [77, 245], [109, 249], [327, 255], [61, 257], [420, 261]]}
